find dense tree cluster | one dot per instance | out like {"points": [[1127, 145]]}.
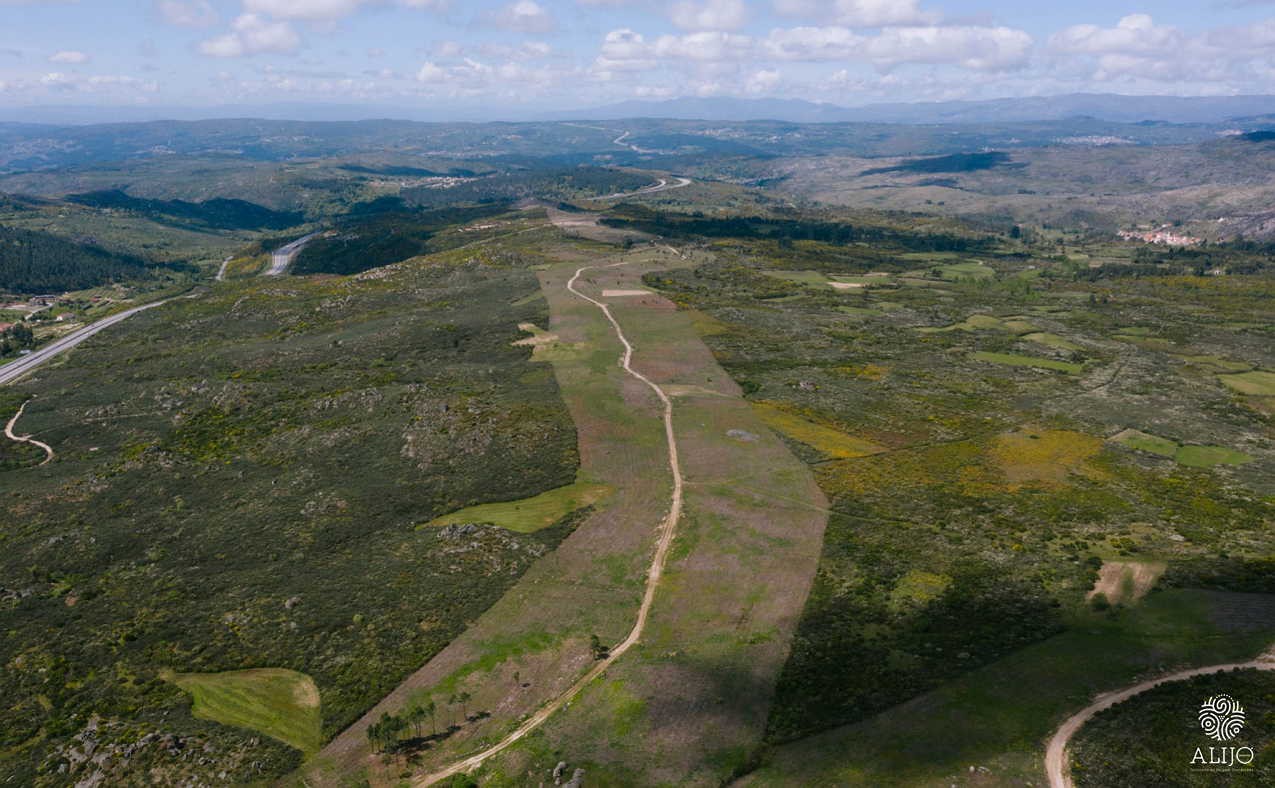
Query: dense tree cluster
{"points": [[787, 230], [546, 183], [37, 262], [16, 338], [218, 214], [379, 233]]}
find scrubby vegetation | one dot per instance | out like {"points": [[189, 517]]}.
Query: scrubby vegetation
{"points": [[993, 499], [538, 181], [954, 162], [1152, 738], [240, 489]]}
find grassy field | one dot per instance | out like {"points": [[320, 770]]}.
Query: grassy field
{"points": [[1017, 360], [1149, 443], [281, 704], [529, 515], [1257, 383], [831, 442]]}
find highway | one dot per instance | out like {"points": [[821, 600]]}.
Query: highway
{"points": [[16, 369], [281, 258], [660, 186]]}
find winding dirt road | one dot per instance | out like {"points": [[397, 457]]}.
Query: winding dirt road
{"points": [[1056, 753], [668, 529], [8, 433]]}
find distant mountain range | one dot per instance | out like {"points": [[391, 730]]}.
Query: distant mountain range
{"points": [[1101, 106]]}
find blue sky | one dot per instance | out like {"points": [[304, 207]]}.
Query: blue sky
{"points": [[516, 56]]}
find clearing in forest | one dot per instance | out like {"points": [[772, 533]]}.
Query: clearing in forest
{"points": [[282, 704]]}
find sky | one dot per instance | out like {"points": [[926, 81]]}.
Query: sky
{"points": [[494, 57]]}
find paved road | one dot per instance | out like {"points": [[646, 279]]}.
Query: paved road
{"points": [[660, 186], [16, 369], [281, 258], [1056, 754], [668, 530]]}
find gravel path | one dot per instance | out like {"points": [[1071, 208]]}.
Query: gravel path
{"points": [[668, 529], [8, 433], [1056, 754]]}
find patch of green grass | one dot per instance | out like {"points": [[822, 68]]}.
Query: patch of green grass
{"points": [[1258, 383], [970, 269], [1217, 363], [801, 277], [858, 311], [827, 440], [1143, 441], [529, 515], [1052, 340], [281, 704], [1208, 456], [1015, 360]]}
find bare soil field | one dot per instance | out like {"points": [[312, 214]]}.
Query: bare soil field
{"points": [[689, 703], [697, 686]]}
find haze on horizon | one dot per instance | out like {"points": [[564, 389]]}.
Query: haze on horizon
{"points": [[493, 58]]}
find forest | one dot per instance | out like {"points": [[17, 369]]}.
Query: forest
{"points": [[37, 262], [219, 213]]}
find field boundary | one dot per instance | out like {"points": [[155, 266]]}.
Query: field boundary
{"points": [[668, 529]]}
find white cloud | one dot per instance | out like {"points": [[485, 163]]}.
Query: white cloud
{"points": [[709, 14], [70, 56], [449, 49], [471, 77], [252, 35], [624, 44], [325, 10], [762, 82], [859, 13], [524, 16], [967, 47], [707, 46], [1139, 50], [311, 10], [186, 13], [1134, 34], [814, 43], [978, 48], [430, 72]]}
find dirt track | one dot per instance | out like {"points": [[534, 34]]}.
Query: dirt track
{"points": [[668, 529], [8, 432], [1056, 753]]}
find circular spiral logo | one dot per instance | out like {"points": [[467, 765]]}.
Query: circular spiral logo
{"points": [[1221, 717]]}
